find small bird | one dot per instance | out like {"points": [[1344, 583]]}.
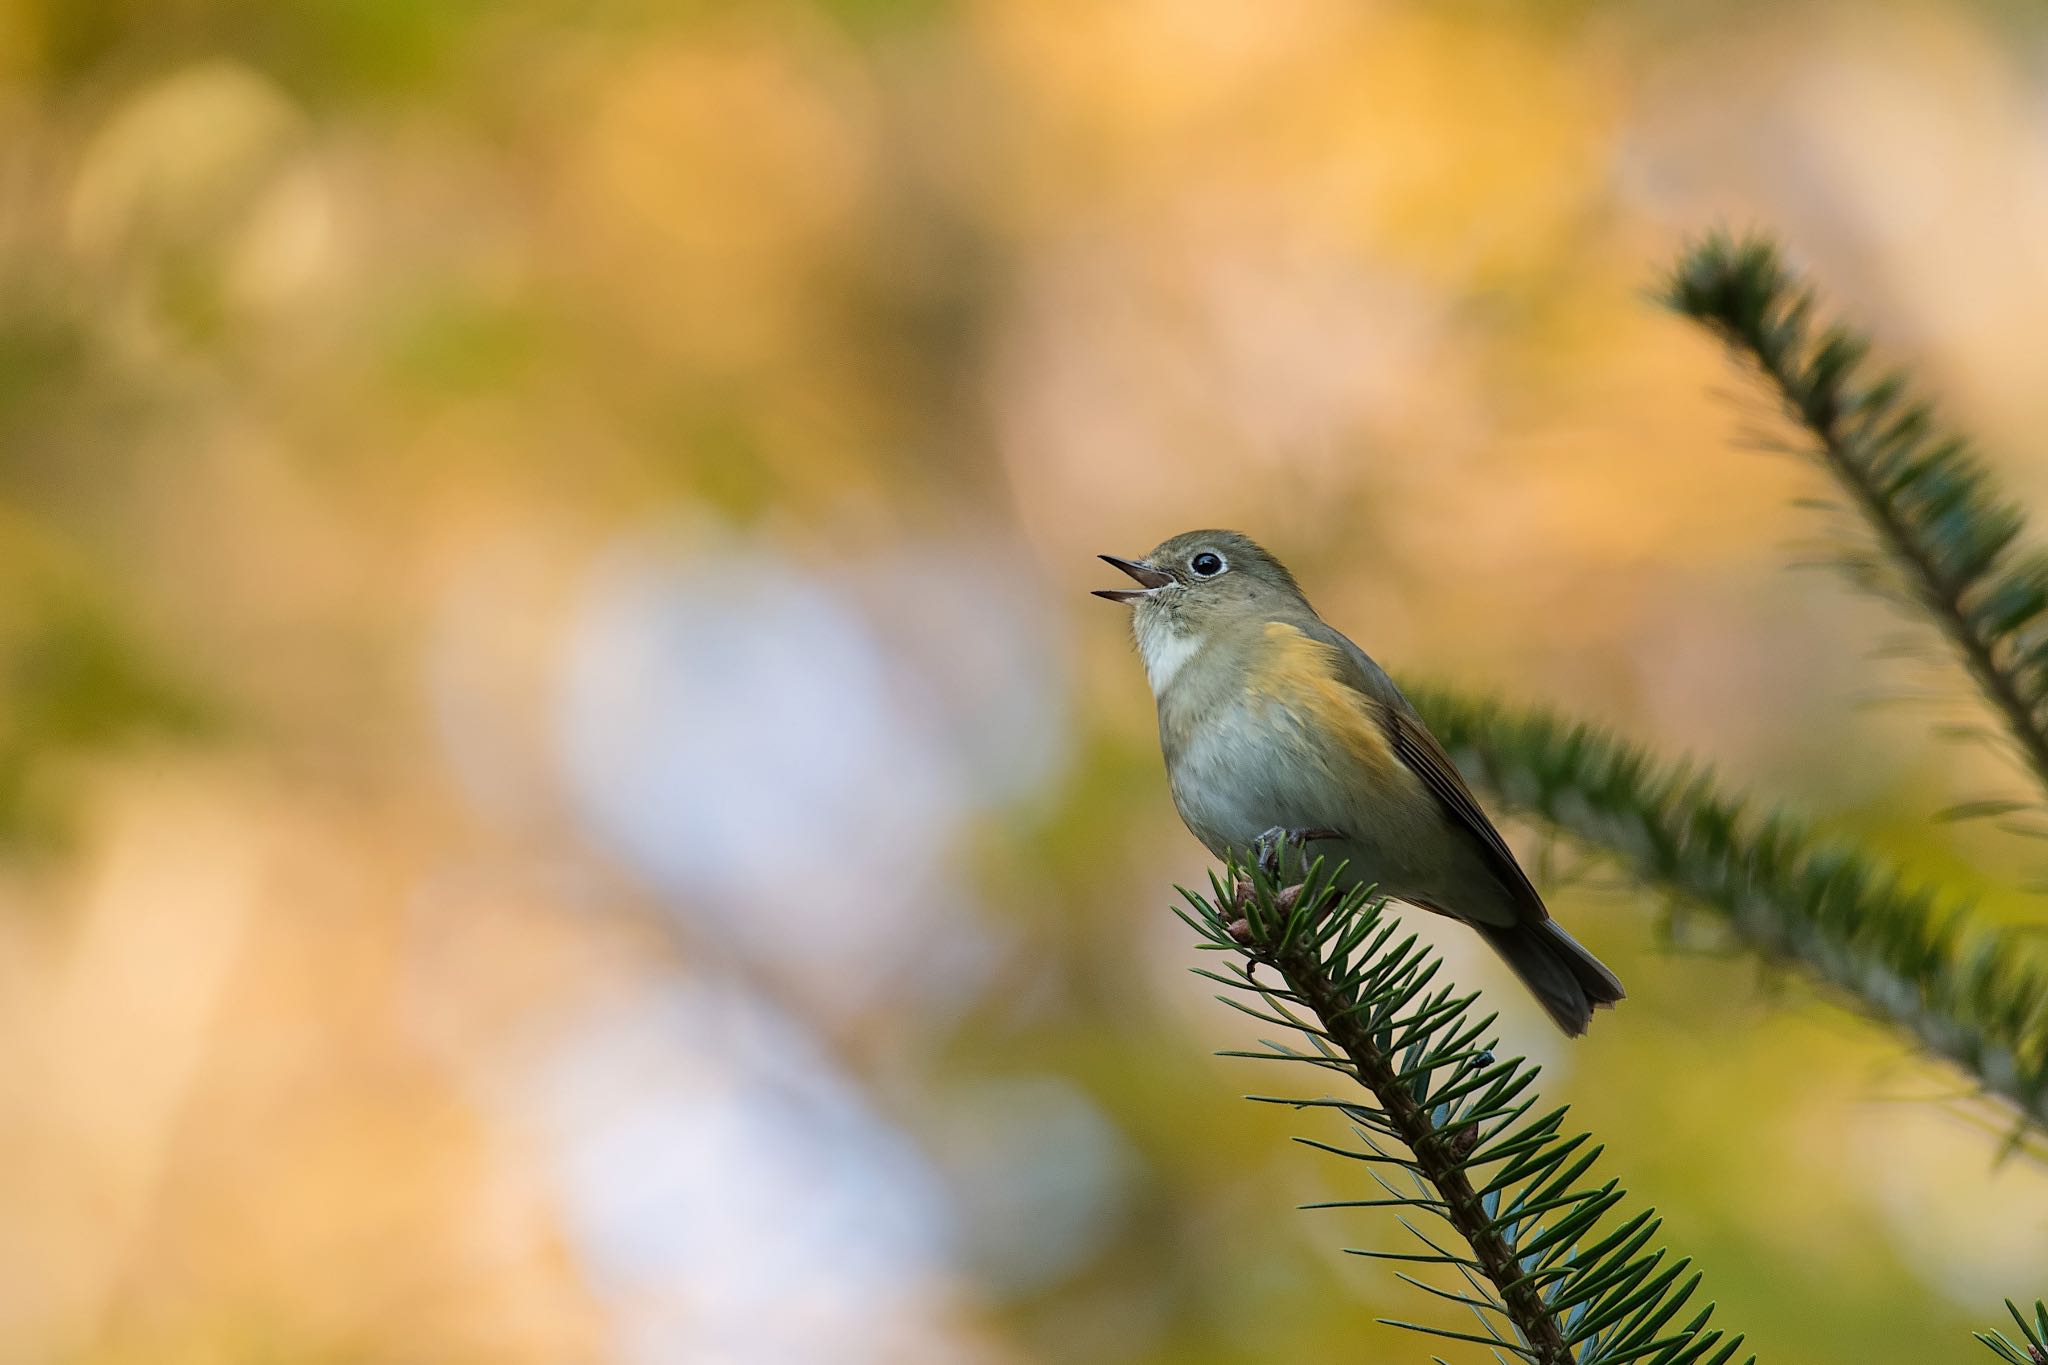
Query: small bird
{"points": [[1274, 725]]}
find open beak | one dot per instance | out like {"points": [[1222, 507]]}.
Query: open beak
{"points": [[1147, 576]]}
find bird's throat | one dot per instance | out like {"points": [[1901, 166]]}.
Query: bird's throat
{"points": [[1165, 652]]}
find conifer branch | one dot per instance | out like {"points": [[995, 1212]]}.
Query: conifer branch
{"points": [[1547, 1276], [1899, 952], [1951, 539]]}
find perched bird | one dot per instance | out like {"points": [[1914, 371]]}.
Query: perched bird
{"points": [[1274, 724]]}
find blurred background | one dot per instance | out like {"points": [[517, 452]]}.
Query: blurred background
{"points": [[562, 797]]}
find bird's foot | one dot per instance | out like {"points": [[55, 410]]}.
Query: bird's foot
{"points": [[1268, 846]]}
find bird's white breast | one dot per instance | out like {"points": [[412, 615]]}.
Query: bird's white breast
{"points": [[1165, 652]]}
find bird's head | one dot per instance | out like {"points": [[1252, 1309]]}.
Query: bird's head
{"points": [[1194, 585]]}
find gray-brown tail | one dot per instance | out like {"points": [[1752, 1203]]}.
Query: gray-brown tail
{"points": [[1566, 980]]}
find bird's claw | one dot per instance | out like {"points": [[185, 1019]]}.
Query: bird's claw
{"points": [[1268, 846]]}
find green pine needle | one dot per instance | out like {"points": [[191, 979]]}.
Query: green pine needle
{"points": [[2032, 1347]]}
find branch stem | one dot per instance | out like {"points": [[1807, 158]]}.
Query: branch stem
{"points": [[1308, 977]]}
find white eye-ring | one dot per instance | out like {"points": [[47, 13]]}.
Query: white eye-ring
{"points": [[1207, 564]]}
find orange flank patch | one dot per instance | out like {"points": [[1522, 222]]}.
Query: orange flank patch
{"points": [[1301, 674]]}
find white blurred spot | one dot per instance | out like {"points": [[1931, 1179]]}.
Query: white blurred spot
{"points": [[732, 1196], [789, 770]]}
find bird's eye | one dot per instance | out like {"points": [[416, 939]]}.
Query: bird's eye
{"points": [[1206, 564]]}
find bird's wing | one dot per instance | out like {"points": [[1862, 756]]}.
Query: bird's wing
{"points": [[1415, 746]]}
